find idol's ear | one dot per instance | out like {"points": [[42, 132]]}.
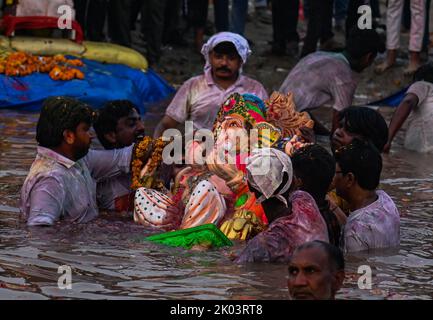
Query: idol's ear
{"points": [[268, 135]]}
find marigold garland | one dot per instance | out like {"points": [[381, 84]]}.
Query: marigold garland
{"points": [[144, 174], [58, 67]]}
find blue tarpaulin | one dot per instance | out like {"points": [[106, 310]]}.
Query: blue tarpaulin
{"points": [[102, 83], [393, 100]]}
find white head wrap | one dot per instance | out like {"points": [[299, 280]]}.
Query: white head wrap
{"points": [[265, 172], [240, 43]]}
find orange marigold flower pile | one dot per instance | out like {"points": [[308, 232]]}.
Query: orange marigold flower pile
{"points": [[19, 64]]}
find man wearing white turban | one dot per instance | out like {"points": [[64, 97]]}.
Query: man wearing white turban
{"points": [[200, 98]]}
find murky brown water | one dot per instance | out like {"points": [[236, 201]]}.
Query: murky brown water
{"points": [[109, 260]]}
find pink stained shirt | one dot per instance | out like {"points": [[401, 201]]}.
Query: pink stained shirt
{"points": [[200, 98], [319, 79]]}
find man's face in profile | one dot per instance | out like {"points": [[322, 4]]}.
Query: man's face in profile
{"points": [[312, 276]]}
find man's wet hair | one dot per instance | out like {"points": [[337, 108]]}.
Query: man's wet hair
{"points": [[364, 41], [108, 118], [363, 160], [424, 73], [335, 255], [315, 166], [227, 48], [367, 123], [59, 114]]}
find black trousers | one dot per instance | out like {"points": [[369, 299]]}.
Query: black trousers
{"points": [[285, 14], [353, 15], [197, 13], [92, 14], [154, 16], [172, 21], [119, 25], [319, 24], [95, 19], [80, 7]]}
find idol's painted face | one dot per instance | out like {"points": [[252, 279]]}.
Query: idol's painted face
{"points": [[233, 135]]}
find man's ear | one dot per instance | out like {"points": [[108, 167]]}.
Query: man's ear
{"points": [[110, 137], [351, 180], [69, 136], [338, 280]]}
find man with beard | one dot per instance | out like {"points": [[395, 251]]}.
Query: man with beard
{"points": [[118, 126], [200, 98], [316, 271], [62, 179]]}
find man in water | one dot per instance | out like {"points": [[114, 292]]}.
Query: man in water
{"points": [[374, 220], [118, 126], [316, 271], [200, 98], [360, 123], [417, 109], [62, 179], [331, 79]]}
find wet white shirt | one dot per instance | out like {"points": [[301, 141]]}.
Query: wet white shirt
{"points": [[375, 226], [419, 134]]}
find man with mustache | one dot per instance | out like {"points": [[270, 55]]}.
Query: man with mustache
{"points": [[316, 271], [62, 180], [200, 98], [118, 126]]}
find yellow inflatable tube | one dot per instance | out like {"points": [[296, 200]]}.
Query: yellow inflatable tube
{"points": [[98, 51]]}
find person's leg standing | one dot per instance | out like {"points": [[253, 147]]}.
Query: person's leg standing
{"points": [[221, 13], [135, 11], [80, 7], [417, 27], [197, 16], [393, 24], [375, 8], [119, 25], [426, 41], [171, 32], [394, 15], [353, 15], [340, 12], [95, 19], [291, 8], [313, 28], [238, 16], [327, 9], [279, 26], [155, 18]]}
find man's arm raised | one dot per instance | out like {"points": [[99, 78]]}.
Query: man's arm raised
{"points": [[166, 123]]}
